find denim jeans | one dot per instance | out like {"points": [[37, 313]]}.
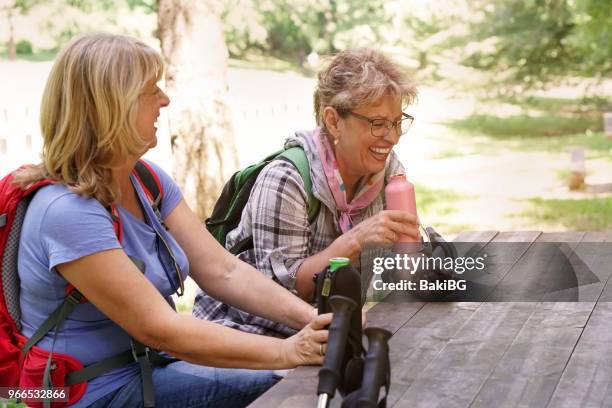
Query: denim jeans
{"points": [[186, 385]]}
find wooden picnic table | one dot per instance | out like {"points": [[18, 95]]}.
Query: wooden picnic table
{"points": [[493, 354]]}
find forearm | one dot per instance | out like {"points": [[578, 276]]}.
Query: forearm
{"points": [[247, 289], [211, 344], [343, 246]]}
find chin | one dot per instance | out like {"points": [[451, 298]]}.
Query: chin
{"points": [[152, 141], [376, 167]]}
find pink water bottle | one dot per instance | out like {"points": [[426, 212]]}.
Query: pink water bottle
{"points": [[399, 195]]}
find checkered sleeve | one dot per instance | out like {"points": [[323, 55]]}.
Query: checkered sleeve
{"points": [[280, 226]]}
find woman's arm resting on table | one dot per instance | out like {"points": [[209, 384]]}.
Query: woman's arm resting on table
{"points": [[228, 279], [123, 294]]}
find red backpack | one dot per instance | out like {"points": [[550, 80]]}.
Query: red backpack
{"points": [[22, 363]]}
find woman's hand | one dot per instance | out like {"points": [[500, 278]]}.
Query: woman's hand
{"points": [[307, 347], [384, 228]]}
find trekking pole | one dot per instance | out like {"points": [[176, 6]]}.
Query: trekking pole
{"points": [[376, 370], [331, 372]]}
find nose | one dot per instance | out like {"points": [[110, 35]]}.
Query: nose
{"points": [[164, 100], [393, 135]]}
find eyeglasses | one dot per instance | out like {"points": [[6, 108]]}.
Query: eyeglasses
{"points": [[382, 127]]}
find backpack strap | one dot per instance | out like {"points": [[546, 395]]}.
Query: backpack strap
{"points": [[151, 185], [297, 156]]}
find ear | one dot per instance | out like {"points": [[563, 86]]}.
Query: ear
{"points": [[331, 119]]}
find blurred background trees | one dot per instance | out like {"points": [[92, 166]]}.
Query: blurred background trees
{"points": [[295, 28], [483, 68], [525, 44]]}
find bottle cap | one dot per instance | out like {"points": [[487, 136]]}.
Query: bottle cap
{"points": [[335, 263]]}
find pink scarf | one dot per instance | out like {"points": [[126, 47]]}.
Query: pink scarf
{"points": [[366, 193]]}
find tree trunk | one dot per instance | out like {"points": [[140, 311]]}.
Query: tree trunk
{"points": [[201, 132]]}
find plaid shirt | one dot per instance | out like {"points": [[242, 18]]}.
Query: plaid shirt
{"points": [[276, 215]]}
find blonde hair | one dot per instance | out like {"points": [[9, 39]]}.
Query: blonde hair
{"points": [[88, 112], [356, 77]]}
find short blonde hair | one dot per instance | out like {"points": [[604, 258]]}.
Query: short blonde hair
{"points": [[356, 77], [88, 112]]}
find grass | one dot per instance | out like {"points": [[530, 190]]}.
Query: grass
{"points": [[37, 56], [588, 214], [593, 103], [545, 124], [436, 207], [490, 135], [526, 126], [437, 201], [11, 404]]}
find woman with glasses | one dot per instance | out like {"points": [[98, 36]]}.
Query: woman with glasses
{"points": [[98, 117], [358, 105]]}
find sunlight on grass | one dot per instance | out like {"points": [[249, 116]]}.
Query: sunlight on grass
{"points": [[594, 103], [588, 214], [437, 206], [36, 56], [525, 126], [439, 201], [557, 125]]}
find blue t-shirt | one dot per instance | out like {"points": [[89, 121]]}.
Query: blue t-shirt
{"points": [[61, 226]]}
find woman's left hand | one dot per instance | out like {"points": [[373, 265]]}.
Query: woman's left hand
{"points": [[307, 347]]}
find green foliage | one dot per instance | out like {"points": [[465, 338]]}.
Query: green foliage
{"points": [[592, 36], [588, 214], [530, 43], [529, 40], [24, 47], [426, 36], [23, 6], [149, 6], [294, 28]]}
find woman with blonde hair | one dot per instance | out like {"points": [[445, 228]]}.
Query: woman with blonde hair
{"points": [[98, 116], [358, 106]]}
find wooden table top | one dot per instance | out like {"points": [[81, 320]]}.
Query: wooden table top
{"points": [[494, 354]]}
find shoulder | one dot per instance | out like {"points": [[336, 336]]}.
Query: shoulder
{"points": [[170, 190], [57, 200], [282, 177], [58, 214], [158, 172]]}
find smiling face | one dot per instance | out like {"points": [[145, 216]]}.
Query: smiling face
{"points": [[150, 101], [358, 153]]}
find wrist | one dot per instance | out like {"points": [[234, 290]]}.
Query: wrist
{"points": [[349, 244], [284, 354], [309, 314]]}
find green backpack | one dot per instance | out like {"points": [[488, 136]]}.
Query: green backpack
{"points": [[235, 194]]}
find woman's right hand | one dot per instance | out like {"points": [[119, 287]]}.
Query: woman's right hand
{"points": [[384, 228], [307, 347]]}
